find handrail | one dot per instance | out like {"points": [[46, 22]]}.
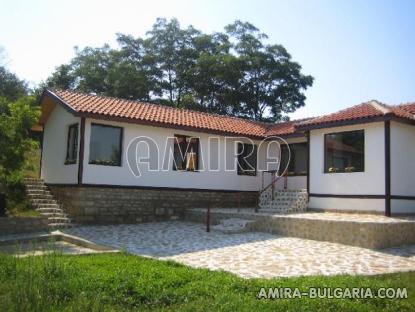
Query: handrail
{"points": [[274, 179]]}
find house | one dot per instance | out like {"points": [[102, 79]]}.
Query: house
{"points": [[358, 159]]}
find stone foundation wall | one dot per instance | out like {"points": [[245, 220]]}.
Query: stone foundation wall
{"points": [[373, 235], [17, 225], [110, 205]]}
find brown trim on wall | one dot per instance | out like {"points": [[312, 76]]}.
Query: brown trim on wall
{"points": [[387, 169], [308, 161], [81, 151], [342, 123], [403, 197], [41, 151], [363, 196], [138, 187]]}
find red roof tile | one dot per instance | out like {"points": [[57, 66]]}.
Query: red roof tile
{"points": [[163, 116], [284, 128], [359, 113], [158, 115]]}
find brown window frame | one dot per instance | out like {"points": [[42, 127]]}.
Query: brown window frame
{"points": [[327, 168], [295, 174], [95, 162], [69, 160], [181, 142], [241, 158]]}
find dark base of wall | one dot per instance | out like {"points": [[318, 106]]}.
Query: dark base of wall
{"points": [[17, 225], [110, 205]]}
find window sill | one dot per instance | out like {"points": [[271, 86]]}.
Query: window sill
{"points": [[107, 165], [175, 170], [70, 163], [326, 172], [247, 175], [297, 175]]}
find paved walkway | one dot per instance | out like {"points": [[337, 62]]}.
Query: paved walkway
{"points": [[248, 254]]}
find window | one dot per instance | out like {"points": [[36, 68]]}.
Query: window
{"points": [[72, 145], [186, 153], [298, 159], [344, 151], [247, 159], [106, 145]]}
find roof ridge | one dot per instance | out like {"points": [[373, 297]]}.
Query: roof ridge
{"points": [[383, 108]]}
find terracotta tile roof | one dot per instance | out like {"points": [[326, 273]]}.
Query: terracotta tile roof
{"points": [[95, 106], [158, 115], [405, 110], [284, 128], [360, 113]]}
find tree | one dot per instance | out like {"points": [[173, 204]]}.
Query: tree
{"points": [[16, 120], [272, 84], [234, 72], [11, 87], [62, 78], [174, 54]]}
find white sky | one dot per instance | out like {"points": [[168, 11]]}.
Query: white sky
{"points": [[356, 50]]}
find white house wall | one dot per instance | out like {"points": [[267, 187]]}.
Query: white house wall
{"points": [[369, 182], [55, 136], [402, 166], [219, 180]]}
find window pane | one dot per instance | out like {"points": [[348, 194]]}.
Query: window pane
{"points": [[72, 145], [247, 159], [344, 151], [298, 159], [105, 146], [186, 153]]}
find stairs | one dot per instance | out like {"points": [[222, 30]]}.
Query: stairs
{"points": [[43, 201], [285, 201]]}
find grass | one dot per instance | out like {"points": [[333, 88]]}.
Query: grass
{"points": [[118, 282]]}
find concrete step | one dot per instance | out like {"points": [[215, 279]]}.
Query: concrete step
{"points": [[50, 209], [38, 191], [57, 225], [59, 220], [39, 201], [40, 196], [55, 214]]}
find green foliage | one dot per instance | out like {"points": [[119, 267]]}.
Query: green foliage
{"points": [[16, 120], [120, 282], [233, 72], [11, 87]]}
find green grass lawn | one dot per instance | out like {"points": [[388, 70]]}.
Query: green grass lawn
{"points": [[125, 282]]}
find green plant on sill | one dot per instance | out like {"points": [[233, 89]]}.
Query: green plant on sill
{"points": [[333, 169], [350, 169]]}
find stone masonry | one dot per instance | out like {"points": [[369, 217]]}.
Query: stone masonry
{"points": [[283, 201], [13, 225], [111, 205]]}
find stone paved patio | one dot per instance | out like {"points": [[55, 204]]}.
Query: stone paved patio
{"points": [[247, 254]]}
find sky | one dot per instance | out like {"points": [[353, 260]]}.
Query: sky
{"points": [[355, 50]]}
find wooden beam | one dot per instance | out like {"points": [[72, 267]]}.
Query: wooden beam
{"points": [[387, 169], [81, 151], [308, 161]]}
